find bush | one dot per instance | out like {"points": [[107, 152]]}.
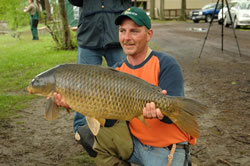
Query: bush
{"points": [[12, 11]]}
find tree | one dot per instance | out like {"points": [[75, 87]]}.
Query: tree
{"points": [[183, 10], [12, 11], [58, 25], [65, 26], [162, 14], [152, 7], [48, 10]]}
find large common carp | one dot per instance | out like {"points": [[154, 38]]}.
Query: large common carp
{"points": [[102, 93]]}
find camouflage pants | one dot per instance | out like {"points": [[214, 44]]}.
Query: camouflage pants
{"points": [[114, 145]]}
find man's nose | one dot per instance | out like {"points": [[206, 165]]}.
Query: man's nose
{"points": [[127, 36]]}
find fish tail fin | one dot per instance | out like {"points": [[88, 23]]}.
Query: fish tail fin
{"points": [[52, 110], [182, 112]]}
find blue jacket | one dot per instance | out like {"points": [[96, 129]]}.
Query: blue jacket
{"points": [[96, 28]]}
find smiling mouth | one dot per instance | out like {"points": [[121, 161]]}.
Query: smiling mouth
{"points": [[129, 45]]}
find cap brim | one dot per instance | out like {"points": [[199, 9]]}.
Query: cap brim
{"points": [[120, 18]]}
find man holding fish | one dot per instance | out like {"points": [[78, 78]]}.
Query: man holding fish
{"points": [[160, 133]]}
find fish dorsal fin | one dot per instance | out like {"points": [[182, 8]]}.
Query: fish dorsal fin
{"points": [[51, 112], [111, 69], [94, 125]]}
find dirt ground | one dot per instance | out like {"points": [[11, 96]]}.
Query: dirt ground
{"points": [[221, 80]]}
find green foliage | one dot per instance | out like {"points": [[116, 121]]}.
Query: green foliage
{"points": [[56, 27], [2, 13], [20, 60], [12, 11], [73, 36]]}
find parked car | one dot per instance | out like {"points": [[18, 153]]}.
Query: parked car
{"points": [[240, 13], [230, 4], [205, 13]]}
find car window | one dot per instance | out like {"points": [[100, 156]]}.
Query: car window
{"points": [[209, 6], [245, 5], [212, 6], [219, 6], [231, 4], [236, 6]]}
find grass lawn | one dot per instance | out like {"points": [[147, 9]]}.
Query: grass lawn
{"points": [[20, 60]]}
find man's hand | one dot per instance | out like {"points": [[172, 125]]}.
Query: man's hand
{"points": [[60, 100], [151, 112]]}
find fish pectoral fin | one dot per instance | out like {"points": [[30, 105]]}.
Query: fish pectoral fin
{"points": [[142, 119], [94, 125], [51, 112]]}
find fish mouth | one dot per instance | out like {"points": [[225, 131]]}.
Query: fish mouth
{"points": [[29, 89]]}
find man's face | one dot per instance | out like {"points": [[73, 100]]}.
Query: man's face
{"points": [[133, 38]]}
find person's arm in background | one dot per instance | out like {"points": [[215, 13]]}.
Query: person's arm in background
{"points": [[76, 2], [27, 8]]}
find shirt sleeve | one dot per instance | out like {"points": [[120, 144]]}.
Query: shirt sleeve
{"points": [[28, 9], [171, 79], [79, 120]]}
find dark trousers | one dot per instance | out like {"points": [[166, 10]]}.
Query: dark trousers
{"points": [[33, 26]]}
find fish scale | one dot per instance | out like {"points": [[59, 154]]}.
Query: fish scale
{"points": [[94, 93], [105, 93]]}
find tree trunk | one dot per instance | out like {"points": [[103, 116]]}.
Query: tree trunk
{"points": [[152, 9], [48, 11], [65, 27], [39, 12], [183, 10], [42, 2], [162, 14]]}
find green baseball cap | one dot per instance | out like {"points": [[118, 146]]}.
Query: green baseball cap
{"points": [[138, 15]]}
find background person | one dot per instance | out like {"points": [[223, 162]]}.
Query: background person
{"points": [[97, 35], [32, 9]]}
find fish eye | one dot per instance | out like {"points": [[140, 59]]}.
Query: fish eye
{"points": [[35, 81]]}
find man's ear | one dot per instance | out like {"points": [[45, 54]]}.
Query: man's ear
{"points": [[149, 34]]}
